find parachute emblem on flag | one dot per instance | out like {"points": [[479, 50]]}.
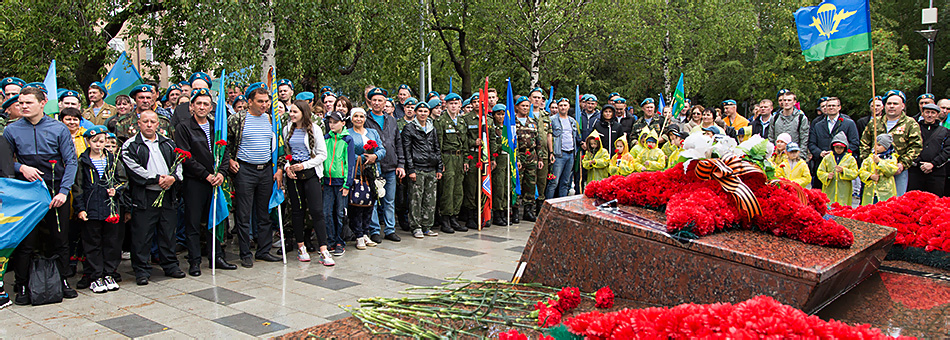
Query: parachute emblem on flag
{"points": [[826, 20]]}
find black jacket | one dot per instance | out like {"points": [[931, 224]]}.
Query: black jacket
{"points": [[190, 137], [422, 151], [90, 191], [391, 138], [610, 130], [936, 148], [759, 129], [137, 151]]}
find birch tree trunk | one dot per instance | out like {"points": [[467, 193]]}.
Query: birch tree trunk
{"points": [[268, 43]]}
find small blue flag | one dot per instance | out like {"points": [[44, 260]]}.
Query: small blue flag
{"points": [[121, 78]]}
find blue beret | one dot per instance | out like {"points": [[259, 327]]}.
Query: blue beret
{"points": [[562, 100], [252, 87], [714, 129], [925, 96], [590, 97], [728, 102], [895, 93], [620, 100], [822, 100], [183, 83], [239, 98], [306, 95], [648, 101], [467, 102], [327, 94], [405, 87], [110, 135], [141, 88], [781, 92], [285, 82], [870, 101], [432, 94], [520, 99], [688, 101], [200, 92], [410, 101], [199, 75], [101, 87], [69, 93], [95, 130], [326, 89], [499, 107], [12, 81], [169, 91], [434, 102], [376, 91], [11, 101], [452, 96], [38, 85], [538, 90], [421, 105], [613, 94]]}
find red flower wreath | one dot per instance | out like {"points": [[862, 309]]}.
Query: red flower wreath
{"points": [[922, 219]]}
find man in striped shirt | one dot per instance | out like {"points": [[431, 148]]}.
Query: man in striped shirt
{"points": [[250, 151]]}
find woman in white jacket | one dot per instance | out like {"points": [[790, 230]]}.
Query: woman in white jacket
{"points": [[306, 150]]}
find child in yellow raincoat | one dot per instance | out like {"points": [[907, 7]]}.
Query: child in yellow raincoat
{"points": [[652, 158], [676, 140], [877, 171], [596, 159], [781, 142], [638, 148], [793, 168], [837, 170], [622, 162]]}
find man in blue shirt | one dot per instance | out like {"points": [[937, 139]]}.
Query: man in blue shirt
{"points": [[45, 151]]}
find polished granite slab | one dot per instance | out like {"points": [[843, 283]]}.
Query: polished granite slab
{"points": [[575, 244]]}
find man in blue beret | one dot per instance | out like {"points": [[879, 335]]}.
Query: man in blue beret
{"points": [[9, 112], [409, 113], [391, 166], [98, 111], [69, 99], [453, 134], [649, 119], [924, 99], [536, 97], [306, 95], [402, 94], [143, 98], [285, 91], [502, 193], [435, 111], [11, 86]]}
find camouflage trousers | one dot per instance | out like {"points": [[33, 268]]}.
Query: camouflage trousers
{"points": [[422, 194]]}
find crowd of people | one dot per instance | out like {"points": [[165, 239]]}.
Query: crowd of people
{"points": [[118, 191]]}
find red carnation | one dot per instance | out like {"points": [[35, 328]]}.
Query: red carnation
{"points": [[494, 154], [527, 152], [568, 298], [512, 335], [370, 145], [289, 157], [478, 164], [469, 157], [221, 142], [619, 150], [113, 219], [549, 317], [604, 298], [551, 176], [781, 165], [52, 161]]}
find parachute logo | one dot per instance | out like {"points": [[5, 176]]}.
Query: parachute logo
{"points": [[827, 19]]}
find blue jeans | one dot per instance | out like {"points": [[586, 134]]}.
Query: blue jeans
{"points": [[900, 180], [386, 207], [562, 169], [334, 205]]}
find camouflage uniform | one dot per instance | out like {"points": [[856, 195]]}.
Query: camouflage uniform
{"points": [[907, 138], [453, 140], [544, 129], [638, 127], [105, 112], [530, 150], [422, 195], [3, 124]]}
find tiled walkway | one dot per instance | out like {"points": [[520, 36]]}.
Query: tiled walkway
{"points": [[269, 299]]}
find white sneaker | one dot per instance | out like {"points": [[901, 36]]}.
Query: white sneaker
{"points": [[98, 286], [111, 285], [326, 259], [361, 243], [368, 241], [126, 255], [417, 233], [302, 254]]}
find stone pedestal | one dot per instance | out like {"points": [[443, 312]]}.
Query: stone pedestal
{"points": [[575, 244]]}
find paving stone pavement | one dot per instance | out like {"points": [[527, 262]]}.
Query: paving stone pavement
{"points": [[271, 298]]}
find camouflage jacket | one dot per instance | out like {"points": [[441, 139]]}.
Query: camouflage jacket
{"points": [[907, 138], [530, 146], [127, 126], [105, 112]]}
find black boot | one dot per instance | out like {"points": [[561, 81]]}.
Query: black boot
{"points": [[22, 296], [470, 219], [500, 218], [455, 224], [447, 225], [515, 217], [529, 213]]}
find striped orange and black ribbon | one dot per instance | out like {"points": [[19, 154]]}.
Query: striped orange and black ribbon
{"points": [[726, 171]]}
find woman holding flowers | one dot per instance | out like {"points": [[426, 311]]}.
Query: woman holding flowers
{"points": [[368, 149], [306, 151], [99, 180]]}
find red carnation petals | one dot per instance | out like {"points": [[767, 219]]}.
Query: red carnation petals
{"points": [[604, 298], [289, 157]]}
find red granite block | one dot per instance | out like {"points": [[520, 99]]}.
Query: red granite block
{"points": [[575, 244]]}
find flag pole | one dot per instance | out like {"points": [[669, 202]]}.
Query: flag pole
{"points": [[508, 192], [214, 229], [283, 243], [873, 93], [478, 158]]}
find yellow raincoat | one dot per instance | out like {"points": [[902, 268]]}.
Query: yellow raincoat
{"points": [[674, 157], [622, 163], [798, 173], [597, 165], [838, 189], [649, 159], [884, 187], [778, 157]]}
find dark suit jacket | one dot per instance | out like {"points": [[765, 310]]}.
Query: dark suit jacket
{"points": [[819, 137], [190, 137]]}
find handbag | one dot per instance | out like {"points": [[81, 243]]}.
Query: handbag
{"points": [[46, 286], [362, 193]]}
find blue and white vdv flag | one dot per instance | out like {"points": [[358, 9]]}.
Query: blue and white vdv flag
{"points": [[22, 205]]}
